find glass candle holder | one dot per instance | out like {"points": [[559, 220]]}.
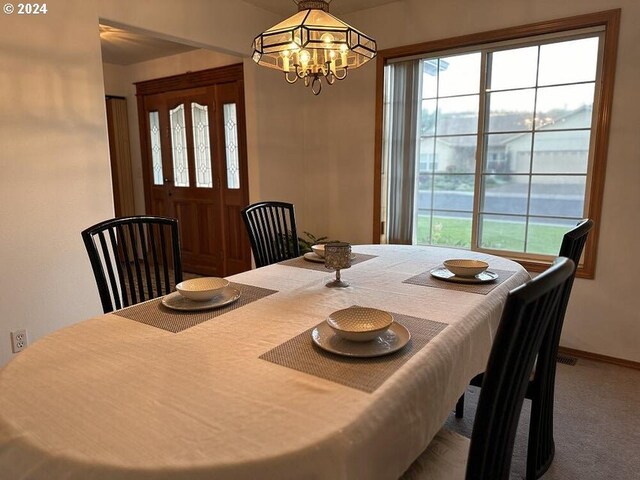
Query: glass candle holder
{"points": [[337, 256]]}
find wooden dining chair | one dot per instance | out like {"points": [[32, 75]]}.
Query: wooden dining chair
{"points": [[272, 232], [541, 388], [134, 259], [527, 314]]}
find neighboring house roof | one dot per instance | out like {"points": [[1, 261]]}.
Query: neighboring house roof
{"points": [[502, 122]]}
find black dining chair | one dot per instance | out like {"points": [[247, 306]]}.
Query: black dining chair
{"points": [[528, 312], [541, 388], [134, 259], [272, 232]]}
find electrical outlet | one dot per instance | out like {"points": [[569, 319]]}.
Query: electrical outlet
{"points": [[19, 340]]}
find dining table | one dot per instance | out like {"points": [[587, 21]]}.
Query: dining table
{"points": [[243, 391]]}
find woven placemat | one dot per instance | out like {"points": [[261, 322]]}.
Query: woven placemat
{"points": [[425, 279], [366, 374], [154, 313], [300, 262]]}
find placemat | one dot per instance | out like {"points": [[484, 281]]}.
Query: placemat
{"points": [[154, 313], [300, 262], [425, 279], [365, 374]]}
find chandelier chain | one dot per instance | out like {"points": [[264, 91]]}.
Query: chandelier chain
{"points": [[311, 4]]}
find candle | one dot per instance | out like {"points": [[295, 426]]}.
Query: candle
{"points": [[343, 55], [304, 59], [285, 60], [332, 59]]}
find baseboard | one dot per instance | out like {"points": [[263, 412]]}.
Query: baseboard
{"points": [[600, 358]]}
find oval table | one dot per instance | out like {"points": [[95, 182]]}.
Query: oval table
{"points": [[146, 393]]}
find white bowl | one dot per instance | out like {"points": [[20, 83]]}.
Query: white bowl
{"points": [[202, 289], [318, 249], [360, 324], [465, 268]]}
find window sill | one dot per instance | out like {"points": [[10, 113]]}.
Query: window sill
{"points": [[541, 266]]}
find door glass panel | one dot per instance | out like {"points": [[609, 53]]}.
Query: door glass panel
{"points": [[156, 151], [201, 145], [179, 147], [231, 145]]}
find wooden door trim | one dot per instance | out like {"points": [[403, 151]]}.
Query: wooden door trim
{"points": [[184, 81], [145, 150], [217, 77], [201, 78]]}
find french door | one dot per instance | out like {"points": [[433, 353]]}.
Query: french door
{"points": [[195, 169]]}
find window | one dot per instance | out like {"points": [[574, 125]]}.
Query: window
{"points": [[497, 142]]}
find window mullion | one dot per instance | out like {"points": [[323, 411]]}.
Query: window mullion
{"points": [[533, 140], [432, 167], [416, 171], [485, 69]]}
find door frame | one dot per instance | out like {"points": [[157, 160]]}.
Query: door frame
{"points": [[231, 74]]}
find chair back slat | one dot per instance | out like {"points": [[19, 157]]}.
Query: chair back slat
{"points": [[528, 311], [146, 260], [165, 259], [574, 241], [106, 251], [131, 256], [265, 232], [123, 259], [133, 246], [542, 388], [154, 256], [119, 295], [271, 227], [273, 223], [572, 246]]}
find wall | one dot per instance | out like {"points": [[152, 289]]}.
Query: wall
{"points": [[604, 314], [227, 25], [55, 178]]}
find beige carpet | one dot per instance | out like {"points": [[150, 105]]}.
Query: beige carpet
{"points": [[597, 424]]}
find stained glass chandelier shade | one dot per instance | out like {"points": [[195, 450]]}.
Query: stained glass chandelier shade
{"points": [[313, 45]]}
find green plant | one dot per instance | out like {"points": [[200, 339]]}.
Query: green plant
{"points": [[309, 239]]}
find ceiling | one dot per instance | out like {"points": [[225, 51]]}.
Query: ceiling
{"points": [[122, 47], [337, 7]]}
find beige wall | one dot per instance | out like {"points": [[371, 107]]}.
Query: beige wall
{"points": [[55, 178], [314, 151]]}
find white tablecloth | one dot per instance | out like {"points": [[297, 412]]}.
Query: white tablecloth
{"points": [[111, 398]]}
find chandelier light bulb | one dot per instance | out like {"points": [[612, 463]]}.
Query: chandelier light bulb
{"points": [[304, 57]]}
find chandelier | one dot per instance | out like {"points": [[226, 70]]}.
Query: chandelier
{"points": [[313, 46]]}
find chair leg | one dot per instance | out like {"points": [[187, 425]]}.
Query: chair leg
{"points": [[460, 407], [541, 447]]}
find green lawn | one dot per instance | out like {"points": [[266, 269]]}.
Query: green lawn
{"points": [[500, 235]]}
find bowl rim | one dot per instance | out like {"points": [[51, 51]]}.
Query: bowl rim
{"points": [[476, 263], [185, 288], [336, 327]]}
